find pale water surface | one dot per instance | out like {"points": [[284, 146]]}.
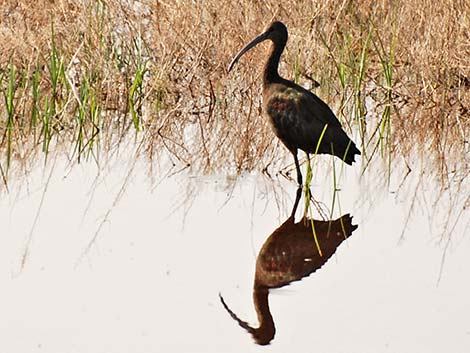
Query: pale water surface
{"points": [[150, 281]]}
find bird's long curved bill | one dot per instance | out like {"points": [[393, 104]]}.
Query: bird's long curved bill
{"points": [[250, 45]]}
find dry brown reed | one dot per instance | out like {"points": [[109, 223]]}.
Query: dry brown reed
{"points": [[81, 76]]}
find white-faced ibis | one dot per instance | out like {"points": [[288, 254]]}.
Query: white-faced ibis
{"points": [[298, 116]]}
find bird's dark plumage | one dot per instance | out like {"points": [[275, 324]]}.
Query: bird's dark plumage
{"points": [[298, 117]]}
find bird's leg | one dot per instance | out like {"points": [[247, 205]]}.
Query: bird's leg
{"points": [[309, 182], [297, 167], [296, 203], [308, 192]]}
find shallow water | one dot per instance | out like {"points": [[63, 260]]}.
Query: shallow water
{"points": [[150, 280]]}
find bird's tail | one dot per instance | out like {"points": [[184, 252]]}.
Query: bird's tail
{"points": [[343, 148], [349, 153]]}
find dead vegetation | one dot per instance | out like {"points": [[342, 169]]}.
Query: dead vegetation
{"points": [[79, 77]]}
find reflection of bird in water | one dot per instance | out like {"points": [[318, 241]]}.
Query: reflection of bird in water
{"points": [[288, 255], [299, 118]]}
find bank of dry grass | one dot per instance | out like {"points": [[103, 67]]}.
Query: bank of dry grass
{"points": [[82, 76]]}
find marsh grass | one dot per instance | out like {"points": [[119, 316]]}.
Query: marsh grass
{"points": [[79, 77]]}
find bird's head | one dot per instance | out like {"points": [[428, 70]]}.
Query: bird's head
{"points": [[276, 32]]}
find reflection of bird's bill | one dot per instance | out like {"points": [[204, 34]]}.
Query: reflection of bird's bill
{"points": [[250, 45]]}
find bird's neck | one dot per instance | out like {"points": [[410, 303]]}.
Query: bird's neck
{"points": [[270, 69]]}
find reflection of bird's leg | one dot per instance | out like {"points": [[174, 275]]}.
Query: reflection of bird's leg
{"points": [[297, 167], [296, 203]]}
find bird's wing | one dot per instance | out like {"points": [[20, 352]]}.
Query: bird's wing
{"points": [[313, 108], [299, 118], [293, 123]]}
